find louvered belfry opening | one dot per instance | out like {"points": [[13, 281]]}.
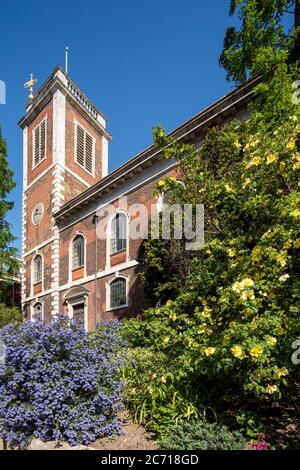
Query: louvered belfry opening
{"points": [[84, 149], [39, 143]]}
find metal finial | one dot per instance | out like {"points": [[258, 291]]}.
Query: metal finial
{"points": [[30, 85]]}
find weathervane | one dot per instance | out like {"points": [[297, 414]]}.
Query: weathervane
{"points": [[29, 85]]}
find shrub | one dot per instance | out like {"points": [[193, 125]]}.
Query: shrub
{"points": [[149, 396], [201, 435], [224, 331], [59, 383], [9, 315]]}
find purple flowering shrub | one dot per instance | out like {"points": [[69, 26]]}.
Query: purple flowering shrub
{"points": [[60, 383]]}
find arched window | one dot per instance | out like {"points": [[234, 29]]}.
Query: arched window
{"points": [[37, 313], [118, 294], [118, 233], [37, 269], [78, 252]]}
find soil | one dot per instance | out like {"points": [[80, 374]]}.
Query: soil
{"points": [[133, 437]]}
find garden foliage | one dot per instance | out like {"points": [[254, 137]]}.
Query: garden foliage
{"points": [[201, 435], [59, 383], [225, 334], [10, 315]]}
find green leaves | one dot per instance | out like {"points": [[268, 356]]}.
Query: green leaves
{"points": [[261, 42], [8, 264]]}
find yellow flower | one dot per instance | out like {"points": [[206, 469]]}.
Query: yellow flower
{"points": [[237, 351], [282, 165], [248, 295], [169, 303], [173, 316], [280, 331], [256, 351], [256, 254], [237, 144], [214, 298], [161, 183], [296, 166], [237, 287], [248, 282], [271, 341], [282, 258], [209, 351], [163, 379], [228, 188], [206, 312], [280, 373], [297, 243], [166, 339], [271, 158], [231, 252], [295, 213], [284, 277], [272, 389], [173, 178], [291, 145], [246, 182], [255, 161], [202, 330], [294, 309]]}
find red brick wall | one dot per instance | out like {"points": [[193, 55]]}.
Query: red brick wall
{"points": [[41, 191], [32, 174], [136, 299], [46, 253]]}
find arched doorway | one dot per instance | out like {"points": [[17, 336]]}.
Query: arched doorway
{"points": [[76, 303]]}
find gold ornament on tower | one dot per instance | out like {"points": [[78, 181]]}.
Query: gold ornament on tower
{"points": [[30, 85]]}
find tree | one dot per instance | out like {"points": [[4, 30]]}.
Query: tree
{"points": [[9, 315], [262, 41], [227, 336], [8, 263]]}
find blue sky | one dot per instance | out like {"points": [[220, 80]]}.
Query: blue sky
{"points": [[142, 62]]}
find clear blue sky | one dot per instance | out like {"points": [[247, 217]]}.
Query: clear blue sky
{"points": [[142, 62]]}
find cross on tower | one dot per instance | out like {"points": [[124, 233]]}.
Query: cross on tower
{"points": [[29, 85]]}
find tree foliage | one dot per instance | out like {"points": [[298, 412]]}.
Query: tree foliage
{"points": [[9, 315], [229, 330], [262, 41], [8, 263]]}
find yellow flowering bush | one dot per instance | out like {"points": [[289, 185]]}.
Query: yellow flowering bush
{"points": [[230, 310]]}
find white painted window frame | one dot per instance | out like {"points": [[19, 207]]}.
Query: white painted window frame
{"points": [[118, 275], [79, 232], [108, 238], [32, 272]]}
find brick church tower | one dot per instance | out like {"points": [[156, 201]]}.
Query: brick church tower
{"points": [[65, 151]]}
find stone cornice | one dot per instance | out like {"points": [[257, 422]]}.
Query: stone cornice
{"points": [[58, 80]]}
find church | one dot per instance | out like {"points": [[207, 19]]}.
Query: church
{"points": [[67, 267]]}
